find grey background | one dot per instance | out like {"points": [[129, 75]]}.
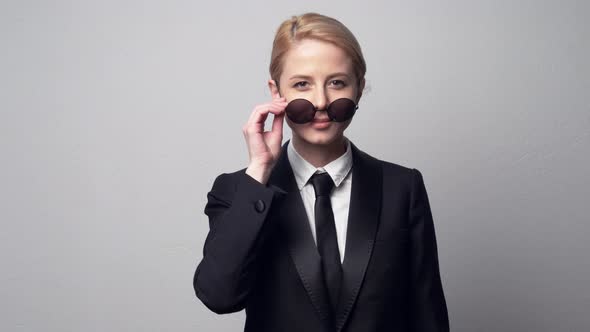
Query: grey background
{"points": [[116, 116]]}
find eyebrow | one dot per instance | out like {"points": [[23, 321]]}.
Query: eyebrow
{"points": [[309, 77]]}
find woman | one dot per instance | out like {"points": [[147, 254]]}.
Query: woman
{"points": [[317, 235]]}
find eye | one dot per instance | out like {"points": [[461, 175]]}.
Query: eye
{"points": [[299, 84], [339, 83]]}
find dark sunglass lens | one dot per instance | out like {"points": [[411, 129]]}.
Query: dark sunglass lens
{"points": [[342, 109], [300, 110]]}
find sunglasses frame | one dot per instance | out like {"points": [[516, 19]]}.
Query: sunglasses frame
{"points": [[330, 115]]}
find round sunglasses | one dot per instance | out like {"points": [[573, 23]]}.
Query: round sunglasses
{"points": [[302, 110]]}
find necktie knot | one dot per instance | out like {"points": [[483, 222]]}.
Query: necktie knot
{"points": [[322, 184]]}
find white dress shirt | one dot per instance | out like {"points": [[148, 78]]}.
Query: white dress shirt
{"points": [[339, 171]]}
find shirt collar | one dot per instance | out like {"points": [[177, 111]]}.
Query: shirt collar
{"points": [[303, 170]]}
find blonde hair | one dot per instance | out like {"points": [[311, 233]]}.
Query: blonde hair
{"points": [[318, 27]]}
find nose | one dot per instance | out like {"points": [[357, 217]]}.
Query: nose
{"points": [[320, 99]]}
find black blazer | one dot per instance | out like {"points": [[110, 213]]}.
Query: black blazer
{"points": [[260, 254]]}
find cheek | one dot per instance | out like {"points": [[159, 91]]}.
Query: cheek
{"points": [[290, 123], [345, 124]]}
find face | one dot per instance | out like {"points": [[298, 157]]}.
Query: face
{"points": [[321, 73]]}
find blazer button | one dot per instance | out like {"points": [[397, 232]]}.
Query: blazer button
{"points": [[259, 205]]}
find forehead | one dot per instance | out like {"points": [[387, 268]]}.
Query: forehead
{"points": [[314, 57]]}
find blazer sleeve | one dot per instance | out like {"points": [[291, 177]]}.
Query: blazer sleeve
{"points": [[428, 310], [237, 207]]}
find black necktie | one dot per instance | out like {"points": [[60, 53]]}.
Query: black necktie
{"points": [[327, 242]]}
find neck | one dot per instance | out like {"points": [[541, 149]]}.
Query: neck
{"points": [[319, 155]]}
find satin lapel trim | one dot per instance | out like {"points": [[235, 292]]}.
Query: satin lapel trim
{"points": [[295, 227], [363, 220]]}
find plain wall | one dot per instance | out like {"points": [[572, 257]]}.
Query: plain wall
{"points": [[116, 117]]}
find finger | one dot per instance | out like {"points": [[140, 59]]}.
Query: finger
{"points": [[261, 112], [277, 123], [274, 107], [281, 105], [257, 110]]}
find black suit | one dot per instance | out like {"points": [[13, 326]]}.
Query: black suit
{"points": [[260, 253]]}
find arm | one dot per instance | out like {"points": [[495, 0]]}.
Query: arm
{"points": [[427, 302], [237, 210]]}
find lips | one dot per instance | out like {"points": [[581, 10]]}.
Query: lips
{"points": [[321, 121]]}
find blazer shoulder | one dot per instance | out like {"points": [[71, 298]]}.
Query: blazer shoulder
{"points": [[394, 168], [397, 170], [400, 176], [394, 175]]}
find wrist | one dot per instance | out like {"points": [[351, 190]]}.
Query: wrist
{"points": [[258, 172]]}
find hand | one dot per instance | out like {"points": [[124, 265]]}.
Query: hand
{"points": [[264, 147]]}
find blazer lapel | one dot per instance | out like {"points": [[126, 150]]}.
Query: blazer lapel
{"points": [[298, 237], [363, 217]]}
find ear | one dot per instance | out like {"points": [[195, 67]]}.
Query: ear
{"points": [[274, 89], [361, 87]]}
